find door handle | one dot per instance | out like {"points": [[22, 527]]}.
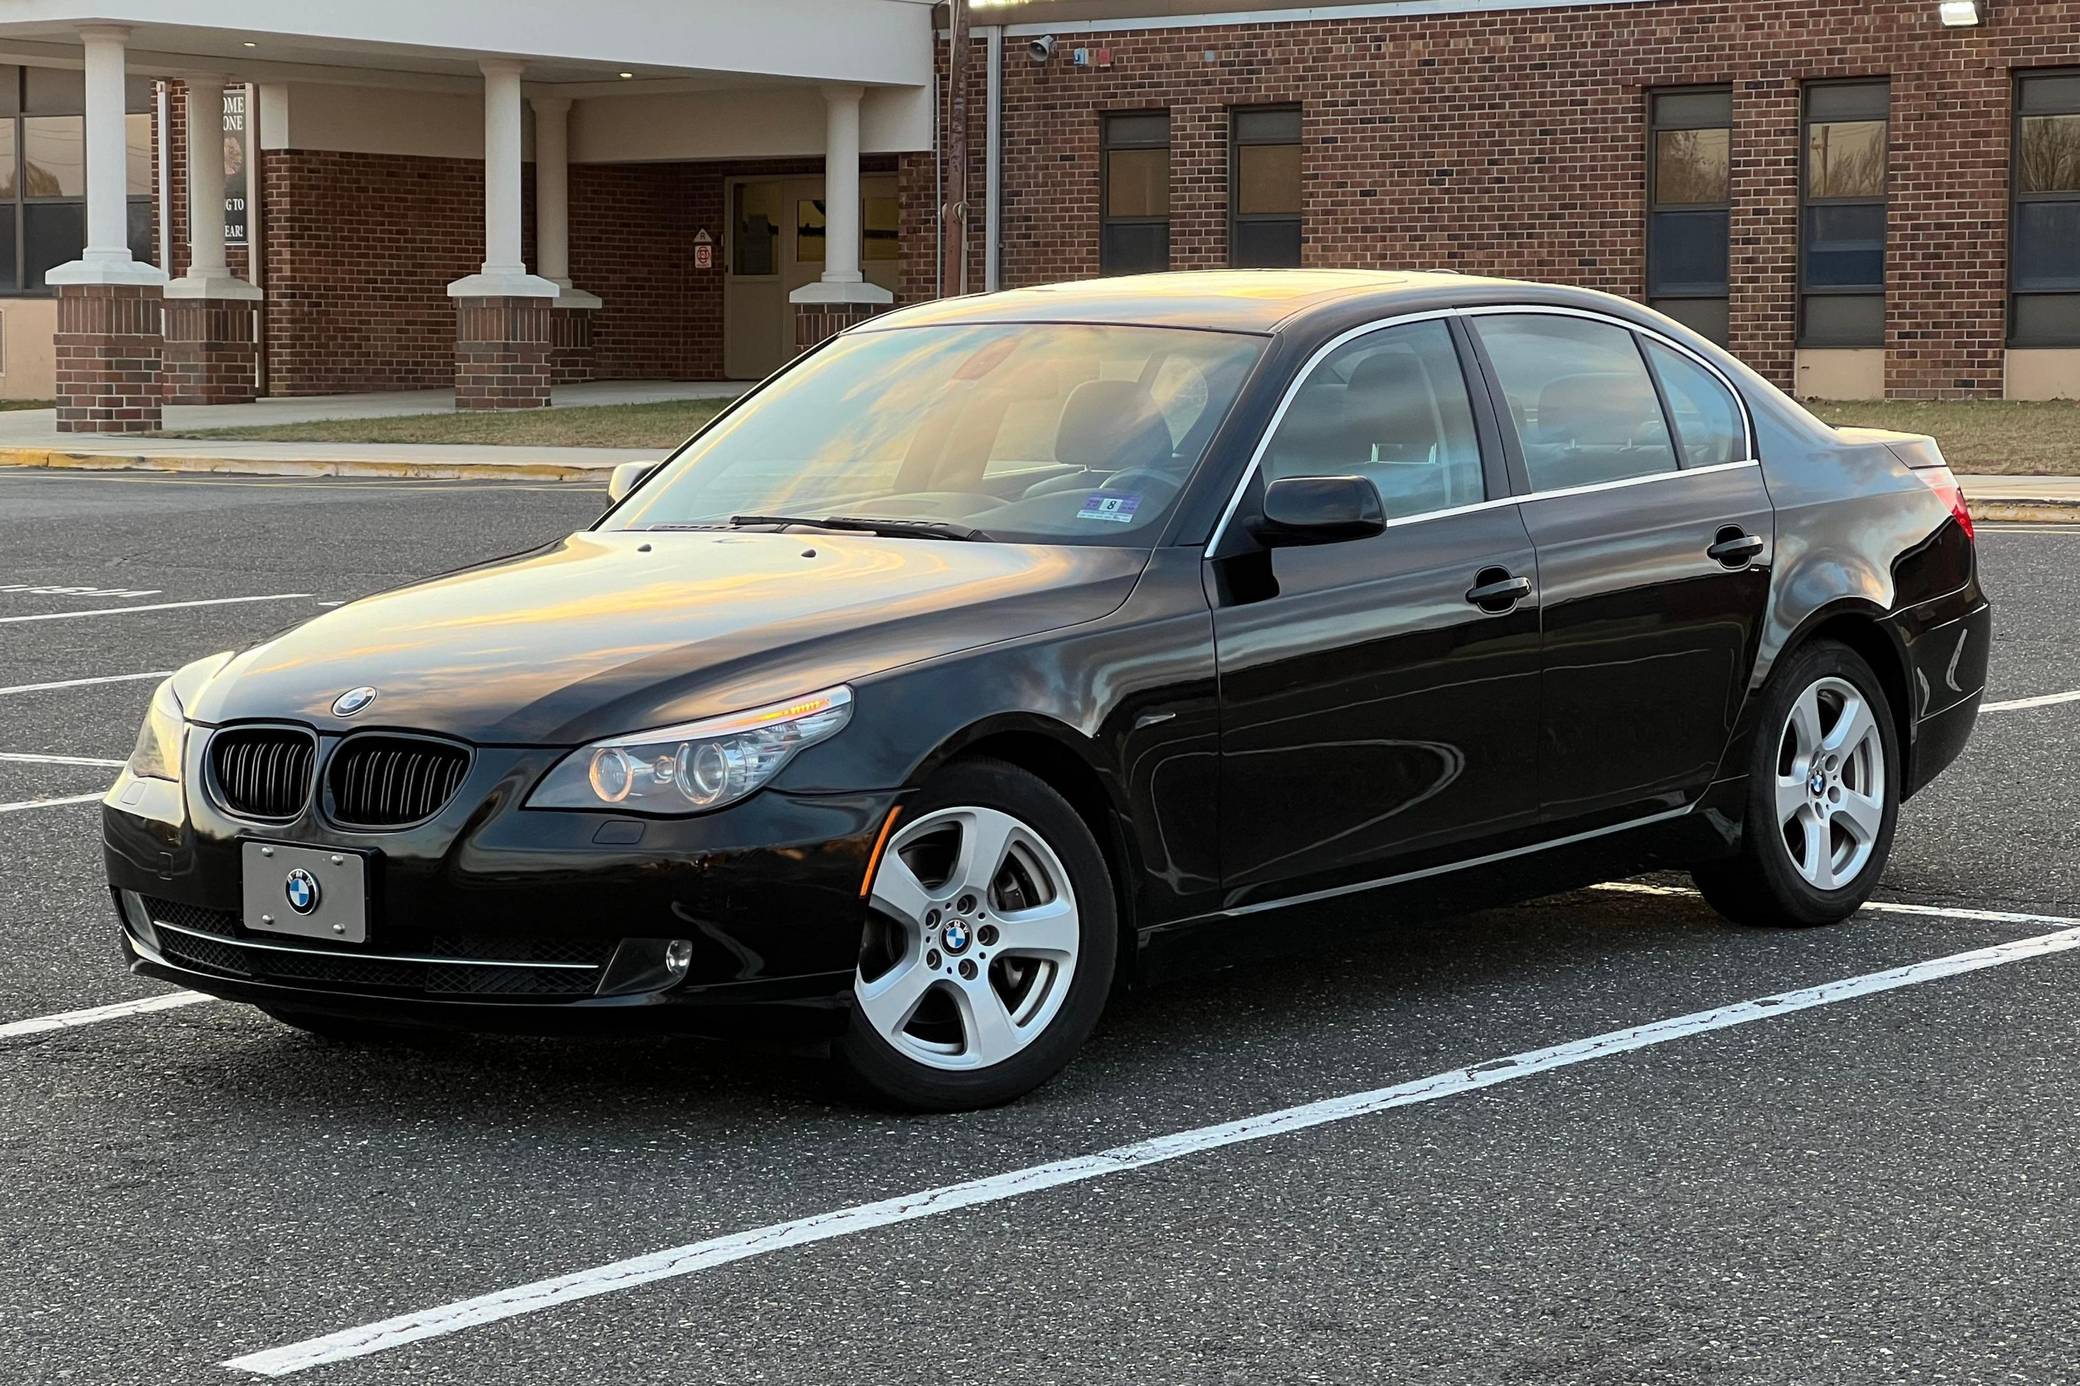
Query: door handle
{"points": [[1497, 590], [1733, 548]]}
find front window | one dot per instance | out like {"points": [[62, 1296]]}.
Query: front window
{"points": [[1025, 432]]}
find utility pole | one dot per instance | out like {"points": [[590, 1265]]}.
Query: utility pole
{"points": [[953, 216]]}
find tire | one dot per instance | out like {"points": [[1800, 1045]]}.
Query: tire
{"points": [[948, 933], [1823, 796]]}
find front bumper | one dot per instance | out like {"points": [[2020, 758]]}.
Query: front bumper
{"points": [[495, 917]]}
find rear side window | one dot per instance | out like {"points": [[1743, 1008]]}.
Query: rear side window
{"points": [[1579, 393], [1708, 420], [1390, 406]]}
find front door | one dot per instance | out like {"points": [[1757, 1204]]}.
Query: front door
{"points": [[776, 235], [1654, 533], [1376, 716]]}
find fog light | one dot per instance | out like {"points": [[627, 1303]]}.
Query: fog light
{"points": [[678, 956]]}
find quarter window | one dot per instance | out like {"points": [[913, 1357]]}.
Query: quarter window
{"points": [[1264, 188], [2046, 259], [1709, 431], [1390, 406], [1842, 241], [1689, 199], [1134, 230], [1579, 394]]}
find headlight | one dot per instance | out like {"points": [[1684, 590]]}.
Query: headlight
{"points": [[695, 766], [158, 753]]}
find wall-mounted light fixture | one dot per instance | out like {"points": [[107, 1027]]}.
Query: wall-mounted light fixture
{"points": [[1961, 14]]}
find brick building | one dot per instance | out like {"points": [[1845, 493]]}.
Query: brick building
{"points": [[1859, 198]]}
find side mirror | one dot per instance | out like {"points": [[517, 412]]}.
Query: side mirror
{"points": [[1320, 510], [626, 478]]}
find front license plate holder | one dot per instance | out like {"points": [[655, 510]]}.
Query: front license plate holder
{"points": [[305, 892]]}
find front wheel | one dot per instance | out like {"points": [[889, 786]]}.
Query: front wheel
{"points": [[990, 944], [1823, 796]]}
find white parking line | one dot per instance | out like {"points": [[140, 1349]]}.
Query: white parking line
{"points": [[29, 758], [155, 606], [1877, 906], [66, 1020], [924, 1203], [2017, 704], [82, 683], [21, 804]]}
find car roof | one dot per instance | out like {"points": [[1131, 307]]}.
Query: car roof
{"points": [[1265, 301]]}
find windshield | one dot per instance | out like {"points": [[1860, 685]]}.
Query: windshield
{"points": [[1021, 432]]}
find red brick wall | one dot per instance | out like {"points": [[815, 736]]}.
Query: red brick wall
{"points": [[1513, 143], [360, 250]]}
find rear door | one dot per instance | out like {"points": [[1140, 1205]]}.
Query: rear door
{"points": [[1653, 532], [1376, 715]]}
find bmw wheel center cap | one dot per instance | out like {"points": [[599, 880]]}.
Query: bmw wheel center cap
{"points": [[302, 891], [956, 937], [352, 701]]}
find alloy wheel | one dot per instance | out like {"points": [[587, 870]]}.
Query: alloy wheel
{"points": [[1830, 787], [972, 940]]}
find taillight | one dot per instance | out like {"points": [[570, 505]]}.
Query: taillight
{"points": [[1943, 483]]}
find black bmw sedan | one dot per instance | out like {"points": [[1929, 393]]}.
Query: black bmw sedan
{"points": [[1000, 644]]}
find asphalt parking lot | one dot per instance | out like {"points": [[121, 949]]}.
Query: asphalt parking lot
{"points": [[1543, 1144]]}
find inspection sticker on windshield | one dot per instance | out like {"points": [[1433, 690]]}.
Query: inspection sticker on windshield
{"points": [[1109, 505]]}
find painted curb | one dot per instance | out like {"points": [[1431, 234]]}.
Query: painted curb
{"points": [[57, 460]]}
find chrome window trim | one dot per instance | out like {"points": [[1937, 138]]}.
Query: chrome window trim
{"points": [[1321, 353], [1558, 311], [1300, 377], [339, 953]]}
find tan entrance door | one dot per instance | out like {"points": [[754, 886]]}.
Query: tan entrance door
{"points": [[775, 246]]}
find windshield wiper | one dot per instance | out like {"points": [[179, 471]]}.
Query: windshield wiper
{"points": [[868, 524]]}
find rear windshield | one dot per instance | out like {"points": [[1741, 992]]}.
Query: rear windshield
{"points": [[1028, 432]]}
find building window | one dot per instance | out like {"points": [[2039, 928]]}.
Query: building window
{"points": [[1134, 230], [1689, 200], [2046, 261], [43, 174], [1264, 188], [1842, 219]]}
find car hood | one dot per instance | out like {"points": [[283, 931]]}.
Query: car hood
{"points": [[612, 632]]}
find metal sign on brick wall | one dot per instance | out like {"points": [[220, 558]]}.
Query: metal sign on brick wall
{"points": [[237, 165]]}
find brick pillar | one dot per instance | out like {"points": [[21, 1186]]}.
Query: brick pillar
{"points": [[108, 344], [571, 357], [502, 352], [210, 351], [814, 322]]}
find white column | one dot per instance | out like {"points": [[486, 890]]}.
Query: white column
{"points": [[504, 274], [106, 259], [842, 280], [209, 275], [552, 198], [841, 185]]}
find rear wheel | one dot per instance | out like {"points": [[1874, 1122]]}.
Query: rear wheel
{"points": [[990, 944], [1823, 796]]}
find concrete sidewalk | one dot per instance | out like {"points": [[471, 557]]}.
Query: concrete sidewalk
{"points": [[39, 427], [2037, 498]]}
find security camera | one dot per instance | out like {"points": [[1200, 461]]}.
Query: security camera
{"points": [[1041, 49]]}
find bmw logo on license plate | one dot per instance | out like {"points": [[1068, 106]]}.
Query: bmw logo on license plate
{"points": [[302, 890]]}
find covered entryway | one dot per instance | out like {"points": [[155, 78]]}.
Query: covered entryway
{"points": [[443, 199], [777, 243]]}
